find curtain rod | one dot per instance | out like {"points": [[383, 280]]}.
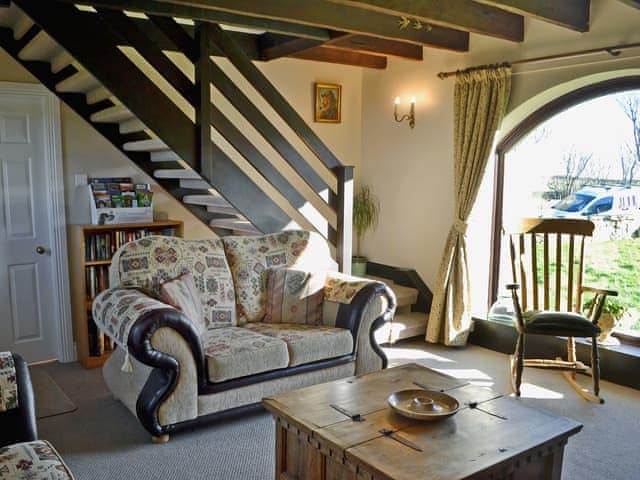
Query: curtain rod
{"points": [[614, 51]]}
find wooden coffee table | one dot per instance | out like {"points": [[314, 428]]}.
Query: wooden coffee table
{"points": [[502, 438]]}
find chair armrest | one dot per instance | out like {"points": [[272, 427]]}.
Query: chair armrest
{"points": [[601, 291], [364, 306], [19, 423]]}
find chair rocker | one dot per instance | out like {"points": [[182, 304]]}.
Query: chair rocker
{"points": [[549, 253]]}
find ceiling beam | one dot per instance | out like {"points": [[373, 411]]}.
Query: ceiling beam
{"points": [[632, 3], [573, 14], [325, 15], [273, 45], [344, 57], [156, 7], [461, 14], [376, 46]]}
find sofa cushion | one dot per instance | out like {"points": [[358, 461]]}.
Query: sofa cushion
{"points": [[234, 352], [249, 257], [32, 461], [294, 296], [182, 293], [308, 343], [150, 261], [8, 382]]}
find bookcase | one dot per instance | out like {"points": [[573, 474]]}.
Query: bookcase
{"points": [[91, 248]]}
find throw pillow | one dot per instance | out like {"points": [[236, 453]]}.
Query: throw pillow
{"points": [[182, 293], [294, 296]]}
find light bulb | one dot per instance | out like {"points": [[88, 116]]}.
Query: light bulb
{"points": [[397, 101]]}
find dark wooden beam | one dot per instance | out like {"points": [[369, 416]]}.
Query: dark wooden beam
{"points": [[461, 14], [200, 13], [344, 208], [344, 57], [202, 105], [5, 3], [150, 51], [376, 46], [573, 14], [323, 14], [179, 37], [632, 3], [273, 45]]}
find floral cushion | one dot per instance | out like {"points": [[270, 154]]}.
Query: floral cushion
{"points": [[32, 461], [115, 311], [294, 296], [307, 343], [183, 294], [8, 383], [250, 256], [343, 288], [150, 261], [234, 352]]}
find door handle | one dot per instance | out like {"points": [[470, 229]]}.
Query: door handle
{"points": [[40, 250]]}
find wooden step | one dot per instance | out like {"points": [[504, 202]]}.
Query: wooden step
{"points": [[22, 25], [165, 156], [404, 325], [41, 47], [214, 204], [81, 82], [98, 94], [132, 125], [404, 295], [152, 145], [115, 114], [177, 173], [240, 226], [194, 184], [60, 61]]}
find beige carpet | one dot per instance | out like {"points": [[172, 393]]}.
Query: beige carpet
{"points": [[50, 399]]}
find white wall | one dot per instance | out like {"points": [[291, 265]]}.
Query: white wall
{"points": [[412, 170]]}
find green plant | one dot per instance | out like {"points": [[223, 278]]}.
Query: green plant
{"points": [[612, 305], [366, 209]]}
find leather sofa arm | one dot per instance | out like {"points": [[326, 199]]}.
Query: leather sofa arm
{"points": [[19, 424], [366, 308]]}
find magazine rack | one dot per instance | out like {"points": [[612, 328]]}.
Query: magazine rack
{"points": [[84, 211]]}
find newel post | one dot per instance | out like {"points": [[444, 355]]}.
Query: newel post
{"points": [[344, 210]]}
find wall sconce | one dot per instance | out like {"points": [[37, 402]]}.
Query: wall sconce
{"points": [[407, 116]]}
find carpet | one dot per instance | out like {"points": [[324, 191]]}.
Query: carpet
{"points": [[50, 398]]}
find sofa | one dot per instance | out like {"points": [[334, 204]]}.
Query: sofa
{"points": [[22, 454], [205, 328]]}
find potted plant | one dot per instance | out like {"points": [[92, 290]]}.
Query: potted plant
{"points": [[612, 312], [366, 210]]}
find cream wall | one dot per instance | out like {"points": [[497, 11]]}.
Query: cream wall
{"points": [[411, 171]]}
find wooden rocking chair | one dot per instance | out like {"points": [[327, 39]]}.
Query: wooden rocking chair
{"points": [[549, 253]]}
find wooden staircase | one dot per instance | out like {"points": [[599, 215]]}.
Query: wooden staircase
{"points": [[166, 123]]}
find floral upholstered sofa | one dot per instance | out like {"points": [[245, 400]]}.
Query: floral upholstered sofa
{"points": [[211, 326]]}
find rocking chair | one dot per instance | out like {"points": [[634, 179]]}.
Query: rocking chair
{"points": [[549, 253]]}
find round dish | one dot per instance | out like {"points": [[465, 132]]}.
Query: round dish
{"points": [[423, 404]]}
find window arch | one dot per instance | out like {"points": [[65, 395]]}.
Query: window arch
{"points": [[519, 132]]}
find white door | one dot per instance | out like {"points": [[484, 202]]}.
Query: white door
{"points": [[28, 325]]}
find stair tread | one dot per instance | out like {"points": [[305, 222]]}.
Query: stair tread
{"points": [[404, 295], [115, 114], [165, 156], [205, 200], [132, 125], [234, 224], [41, 47], [404, 325], [98, 94], [81, 82], [152, 145], [179, 173], [194, 184]]}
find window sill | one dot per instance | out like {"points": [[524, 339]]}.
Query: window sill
{"points": [[618, 363]]}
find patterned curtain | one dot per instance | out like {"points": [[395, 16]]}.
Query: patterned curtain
{"points": [[480, 100]]}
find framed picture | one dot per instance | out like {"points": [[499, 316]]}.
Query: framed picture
{"points": [[328, 103]]}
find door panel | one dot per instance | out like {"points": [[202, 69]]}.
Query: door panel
{"points": [[26, 293]]}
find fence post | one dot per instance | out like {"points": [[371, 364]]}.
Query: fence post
{"points": [[344, 210]]}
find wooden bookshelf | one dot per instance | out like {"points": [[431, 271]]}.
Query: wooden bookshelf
{"points": [[91, 248]]}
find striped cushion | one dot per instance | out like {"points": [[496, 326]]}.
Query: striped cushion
{"points": [[294, 296]]}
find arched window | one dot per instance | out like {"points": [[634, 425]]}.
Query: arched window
{"points": [[579, 156]]}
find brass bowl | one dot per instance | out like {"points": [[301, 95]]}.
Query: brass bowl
{"points": [[423, 404]]}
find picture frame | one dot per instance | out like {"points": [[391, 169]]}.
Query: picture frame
{"points": [[328, 103]]}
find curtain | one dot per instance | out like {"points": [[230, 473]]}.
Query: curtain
{"points": [[480, 100]]}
